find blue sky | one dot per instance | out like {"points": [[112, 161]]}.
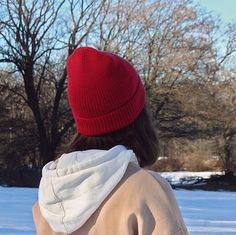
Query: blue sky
{"points": [[225, 8]]}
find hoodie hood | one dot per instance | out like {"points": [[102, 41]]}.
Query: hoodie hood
{"points": [[75, 185]]}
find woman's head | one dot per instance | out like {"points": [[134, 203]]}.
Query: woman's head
{"points": [[107, 99]]}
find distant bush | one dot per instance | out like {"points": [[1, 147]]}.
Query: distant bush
{"points": [[188, 155]]}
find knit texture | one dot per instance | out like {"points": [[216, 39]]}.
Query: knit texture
{"points": [[104, 91]]}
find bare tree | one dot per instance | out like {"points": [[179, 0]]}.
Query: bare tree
{"points": [[224, 112], [33, 35], [168, 42], [173, 44]]}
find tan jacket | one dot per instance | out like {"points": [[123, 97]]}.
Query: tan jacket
{"points": [[141, 204]]}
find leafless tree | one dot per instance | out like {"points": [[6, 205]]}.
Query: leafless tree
{"points": [[174, 45], [32, 36]]}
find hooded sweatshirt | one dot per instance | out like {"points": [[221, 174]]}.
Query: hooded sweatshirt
{"points": [[82, 188], [73, 187]]}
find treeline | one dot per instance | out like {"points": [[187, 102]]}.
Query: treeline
{"points": [[183, 54]]}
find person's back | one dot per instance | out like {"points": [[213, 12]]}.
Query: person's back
{"points": [[140, 204], [97, 187]]}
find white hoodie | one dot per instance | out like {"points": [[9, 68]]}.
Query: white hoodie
{"points": [[76, 184]]}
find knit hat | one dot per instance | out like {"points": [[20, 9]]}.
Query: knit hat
{"points": [[104, 91]]}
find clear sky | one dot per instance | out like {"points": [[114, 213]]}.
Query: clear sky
{"points": [[225, 8]]}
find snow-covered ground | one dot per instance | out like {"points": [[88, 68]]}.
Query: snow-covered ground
{"points": [[204, 212], [15, 211], [207, 212]]}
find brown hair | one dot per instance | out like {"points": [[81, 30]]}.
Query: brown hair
{"points": [[140, 136]]}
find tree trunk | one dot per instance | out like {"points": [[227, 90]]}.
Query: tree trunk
{"points": [[45, 149], [46, 152], [228, 164]]}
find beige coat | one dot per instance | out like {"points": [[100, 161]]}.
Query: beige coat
{"points": [[141, 204]]}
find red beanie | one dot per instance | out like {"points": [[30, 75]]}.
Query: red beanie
{"points": [[104, 91]]}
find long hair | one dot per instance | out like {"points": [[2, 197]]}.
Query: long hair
{"points": [[140, 136]]}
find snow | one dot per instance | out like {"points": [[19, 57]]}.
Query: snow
{"points": [[176, 178], [15, 211], [207, 212], [204, 212]]}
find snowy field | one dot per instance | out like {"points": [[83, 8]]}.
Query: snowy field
{"points": [[207, 212], [204, 212]]}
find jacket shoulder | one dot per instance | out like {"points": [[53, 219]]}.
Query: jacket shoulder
{"points": [[154, 203], [140, 185], [145, 180]]}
